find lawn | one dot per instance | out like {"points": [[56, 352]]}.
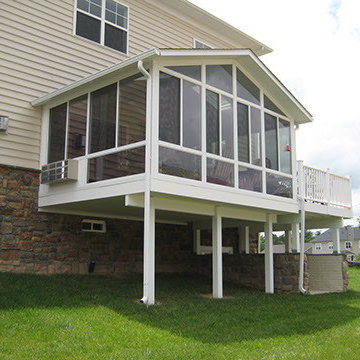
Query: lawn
{"points": [[93, 317]]}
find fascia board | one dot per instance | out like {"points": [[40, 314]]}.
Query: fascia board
{"points": [[195, 15], [91, 78]]}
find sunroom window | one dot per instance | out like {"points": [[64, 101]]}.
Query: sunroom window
{"points": [[224, 158], [114, 126], [103, 21]]}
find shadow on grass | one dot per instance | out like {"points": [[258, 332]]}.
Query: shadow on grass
{"points": [[250, 315]]}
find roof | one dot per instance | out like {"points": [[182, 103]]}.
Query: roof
{"points": [[245, 57], [326, 236], [196, 14]]}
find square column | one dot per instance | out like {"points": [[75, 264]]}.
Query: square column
{"points": [[244, 240], [269, 256], [149, 252], [217, 256], [295, 239], [336, 240], [288, 239]]}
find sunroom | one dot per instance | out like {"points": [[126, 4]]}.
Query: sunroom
{"points": [[188, 132]]}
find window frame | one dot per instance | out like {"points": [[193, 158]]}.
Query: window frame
{"points": [[103, 22], [348, 242], [318, 246]]}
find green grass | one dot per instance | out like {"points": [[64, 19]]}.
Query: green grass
{"points": [[88, 317]]}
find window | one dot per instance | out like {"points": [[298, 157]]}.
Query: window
{"points": [[180, 112], [201, 45], [103, 21], [57, 133], [331, 246], [110, 118], [348, 245], [317, 246]]}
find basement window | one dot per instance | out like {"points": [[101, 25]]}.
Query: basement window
{"points": [[103, 21], [93, 226]]}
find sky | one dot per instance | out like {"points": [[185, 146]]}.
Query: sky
{"points": [[316, 55]]}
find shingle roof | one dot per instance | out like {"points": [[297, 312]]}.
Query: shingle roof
{"points": [[327, 235]]}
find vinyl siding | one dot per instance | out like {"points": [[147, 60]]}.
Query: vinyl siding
{"points": [[40, 54]]}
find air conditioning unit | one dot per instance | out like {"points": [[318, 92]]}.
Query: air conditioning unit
{"points": [[59, 171]]}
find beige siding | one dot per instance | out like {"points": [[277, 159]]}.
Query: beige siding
{"points": [[39, 54]]}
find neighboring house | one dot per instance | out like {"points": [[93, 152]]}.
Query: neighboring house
{"points": [[149, 110], [349, 242]]}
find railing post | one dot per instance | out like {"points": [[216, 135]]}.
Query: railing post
{"points": [[327, 187], [301, 178]]}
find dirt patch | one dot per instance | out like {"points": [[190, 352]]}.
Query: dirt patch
{"points": [[210, 296]]}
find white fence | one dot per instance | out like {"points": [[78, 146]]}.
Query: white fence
{"points": [[324, 188]]}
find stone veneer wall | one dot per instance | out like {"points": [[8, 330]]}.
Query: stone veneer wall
{"points": [[36, 242], [249, 270]]}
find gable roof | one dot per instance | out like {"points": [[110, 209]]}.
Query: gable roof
{"points": [[326, 236], [196, 14], [245, 57]]}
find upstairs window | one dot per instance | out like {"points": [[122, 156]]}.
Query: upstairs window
{"points": [[103, 21]]}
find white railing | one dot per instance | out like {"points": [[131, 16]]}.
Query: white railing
{"points": [[323, 188]]}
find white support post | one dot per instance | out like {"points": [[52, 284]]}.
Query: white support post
{"points": [[336, 240], [288, 239], [217, 256], [244, 239], [149, 252], [197, 241], [269, 256], [295, 239]]}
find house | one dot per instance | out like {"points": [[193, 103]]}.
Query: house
{"points": [[144, 120], [349, 242]]}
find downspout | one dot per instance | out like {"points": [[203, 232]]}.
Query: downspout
{"points": [[146, 74], [302, 224]]}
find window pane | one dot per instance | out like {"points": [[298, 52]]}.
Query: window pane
{"points": [[122, 10], [103, 118], [271, 106], [88, 27], [243, 132], [255, 121], [111, 5], [83, 5], [191, 71], [132, 110], [219, 76], [115, 38], [179, 163], [250, 179], [246, 89], [285, 146], [227, 128], [212, 123], [220, 172], [125, 163], [169, 109], [191, 115], [279, 185], [95, 10], [121, 21], [77, 127], [57, 129], [110, 16], [271, 142]]}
